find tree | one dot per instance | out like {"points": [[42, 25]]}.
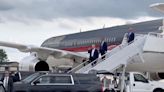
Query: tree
{"points": [[3, 56]]}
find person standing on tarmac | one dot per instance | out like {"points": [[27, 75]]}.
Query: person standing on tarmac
{"points": [[7, 80], [16, 76]]}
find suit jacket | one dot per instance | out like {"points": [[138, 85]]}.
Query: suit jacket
{"points": [[10, 83], [95, 54], [130, 36], [103, 47], [17, 77]]}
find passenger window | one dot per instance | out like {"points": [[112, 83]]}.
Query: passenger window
{"points": [[140, 78], [61, 79], [44, 79]]}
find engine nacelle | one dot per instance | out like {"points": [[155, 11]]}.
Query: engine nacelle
{"points": [[31, 63], [157, 76]]}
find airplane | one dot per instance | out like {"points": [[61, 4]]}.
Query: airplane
{"points": [[67, 51], [158, 6]]}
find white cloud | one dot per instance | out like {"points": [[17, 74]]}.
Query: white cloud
{"points": [[27, 10]]}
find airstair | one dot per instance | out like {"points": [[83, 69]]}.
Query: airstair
{"points": [[121, 55]]}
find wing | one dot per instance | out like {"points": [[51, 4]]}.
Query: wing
{"points": [[43, 52], [158, 6]]}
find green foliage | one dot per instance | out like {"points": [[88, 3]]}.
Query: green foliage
{"points": [[3, 56]]}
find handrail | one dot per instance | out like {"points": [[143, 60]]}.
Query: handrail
{"points": [[83, 64], [101, 60], [98, 60], [78, 66], [158, 35], [87, 68]]}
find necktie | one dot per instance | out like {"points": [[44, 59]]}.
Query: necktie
{"points": [[92, 53], [102, 43]]}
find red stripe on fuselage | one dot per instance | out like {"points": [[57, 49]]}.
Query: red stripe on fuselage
{"points": [[86, 48]]}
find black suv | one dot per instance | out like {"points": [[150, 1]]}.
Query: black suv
{"points": [[51, 82]]}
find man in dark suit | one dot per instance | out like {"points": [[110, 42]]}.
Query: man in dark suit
{"points": [[130, 35], [16, 76], [7, 80], [103, 48], [93, 54]]}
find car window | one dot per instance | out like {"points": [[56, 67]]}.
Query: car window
{"points": [[54, 80], [138, 77], [61, 79], [30, 78], [44, 79]]}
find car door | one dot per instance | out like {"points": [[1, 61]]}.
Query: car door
{"points": [[53, 83], [2, 88], [62, 83], [41, 84], [140, 84]]}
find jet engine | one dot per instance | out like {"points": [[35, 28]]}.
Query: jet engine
{"points": [[31, 63], [157, 76]]}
